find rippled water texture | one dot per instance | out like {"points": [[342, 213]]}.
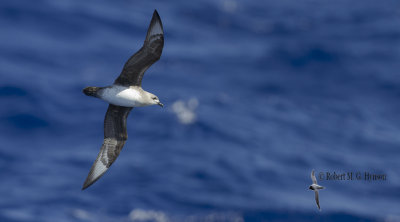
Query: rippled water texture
{"points": [[256, 94]]}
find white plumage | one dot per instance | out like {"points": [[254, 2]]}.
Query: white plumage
{"points": [[156, 29], [123, 96]]}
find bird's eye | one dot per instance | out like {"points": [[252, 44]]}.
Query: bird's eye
{"points": [[154, 98]]}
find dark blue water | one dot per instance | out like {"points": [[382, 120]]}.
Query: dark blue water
{"points": [[257, 94]]}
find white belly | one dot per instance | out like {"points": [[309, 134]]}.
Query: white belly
{"points": [[122, 96]]}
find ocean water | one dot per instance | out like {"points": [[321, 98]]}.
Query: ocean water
{"points": [[256, 94]]}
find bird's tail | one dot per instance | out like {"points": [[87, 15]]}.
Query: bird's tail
{"points": [[91, 91]]}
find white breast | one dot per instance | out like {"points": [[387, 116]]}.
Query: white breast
{"points": [[122, 96]]}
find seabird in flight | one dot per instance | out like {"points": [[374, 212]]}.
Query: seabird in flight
{"points": [[122, 96], [315, 187]]}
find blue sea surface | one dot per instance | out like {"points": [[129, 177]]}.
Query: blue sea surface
{"points": [[256, 94]]}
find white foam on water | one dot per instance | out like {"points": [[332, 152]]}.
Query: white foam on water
{"points": [[186, 111], [82, 214], [140, 215]]}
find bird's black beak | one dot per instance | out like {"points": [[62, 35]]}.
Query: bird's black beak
{"points": [[160, 104]]}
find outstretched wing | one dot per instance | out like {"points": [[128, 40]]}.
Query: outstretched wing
{"points": [[314, 180], [317, 199], [115, 136], [133, 71]]}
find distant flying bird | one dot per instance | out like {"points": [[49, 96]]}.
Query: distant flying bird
{"points": [[315, 187], [122, 96]]}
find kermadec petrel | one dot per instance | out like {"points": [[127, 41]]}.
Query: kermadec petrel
{"points": [[315, 187], [123, 95]]}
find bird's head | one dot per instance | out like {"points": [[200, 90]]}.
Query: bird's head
{"points": [[311, 188], [154, 100]]}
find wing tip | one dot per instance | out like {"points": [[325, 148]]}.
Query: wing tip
{"points": [[156, 15], [94, 175], [155, 27], [91, 179], [86, 184]]}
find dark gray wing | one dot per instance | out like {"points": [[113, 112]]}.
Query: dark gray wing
{"points": [[313, 178], [317, 198], [115, 136], [133, 71]]}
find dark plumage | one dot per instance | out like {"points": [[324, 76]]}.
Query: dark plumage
{"points": [[91, 91], [133, 71], [115, 136], [129, 80]]}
